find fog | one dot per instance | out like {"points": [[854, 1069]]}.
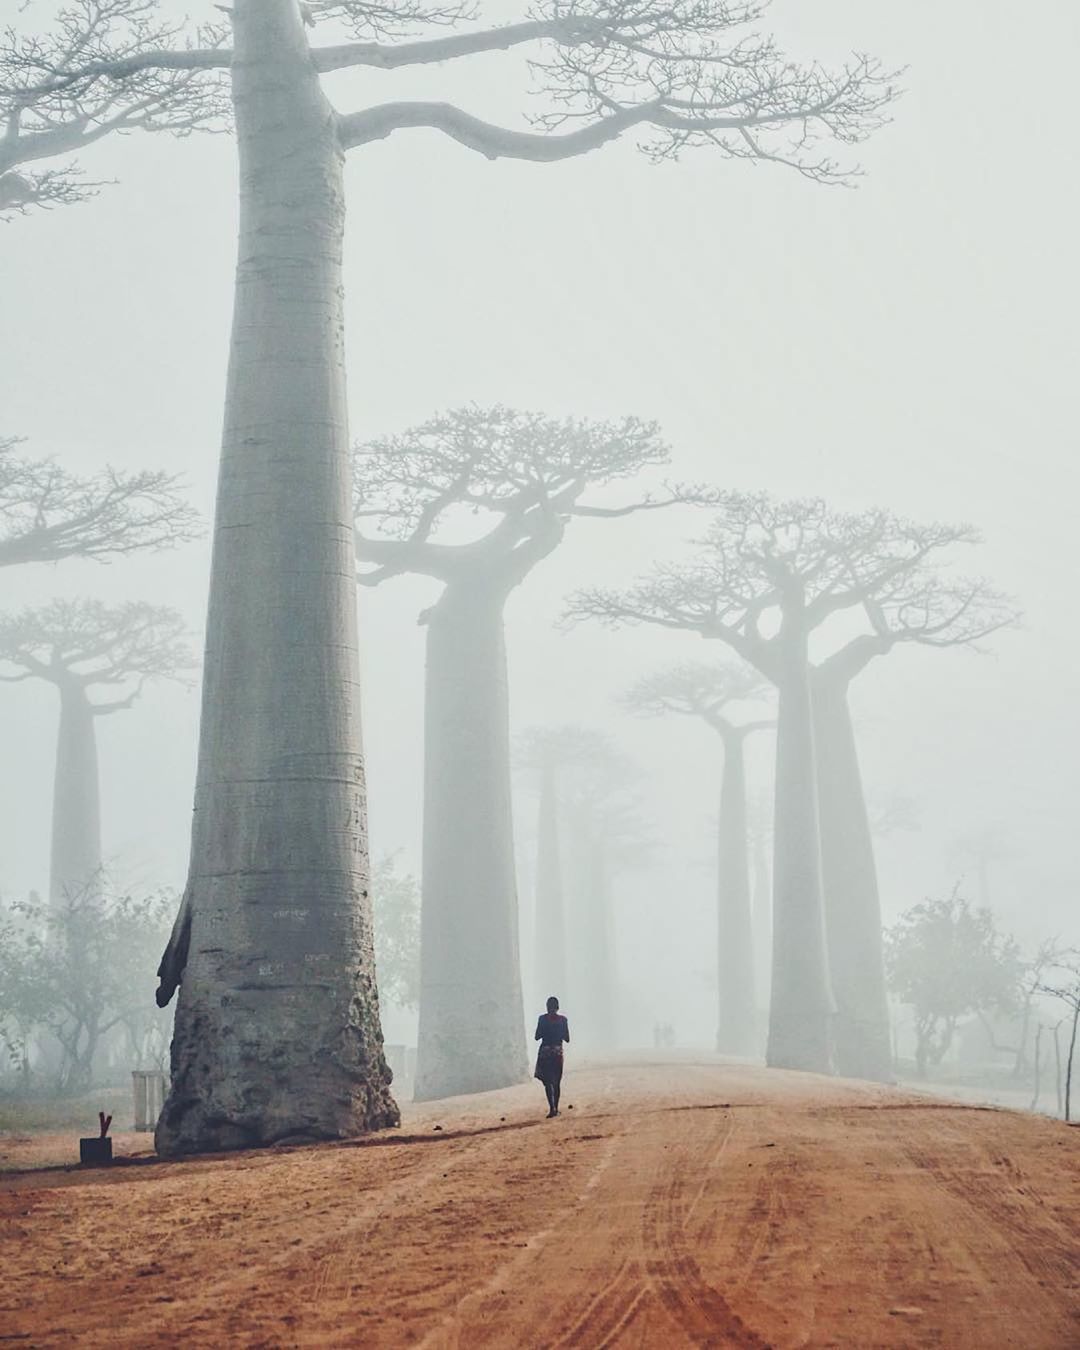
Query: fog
{"points": [[911, 344]]}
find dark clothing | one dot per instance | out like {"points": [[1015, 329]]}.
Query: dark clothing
{"points": [[552, 1029], [549, 1065]]}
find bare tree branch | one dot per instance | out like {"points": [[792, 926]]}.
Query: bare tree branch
{"points": [[523, 471], [87, 643], [104, 66], [703, 690], [762, 557], [48, 513]]}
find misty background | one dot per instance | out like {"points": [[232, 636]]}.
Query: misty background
{"points": [[912, 345]]}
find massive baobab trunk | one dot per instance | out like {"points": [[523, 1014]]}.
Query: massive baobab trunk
{"points": [[801, 1006], [472, 1031], [277, 1027], [550, 938], [852, 904], [75, 860], [735, 1031]]}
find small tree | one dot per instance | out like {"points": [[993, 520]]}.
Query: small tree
{"points": [[709, 693], [947, 961], [525, 476], [48, 513], [1063, 984], [396, 901], [86, 963], [80, 646], [24, 995]]}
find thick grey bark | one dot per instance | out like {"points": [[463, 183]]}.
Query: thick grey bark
{"points": [[277, 1027], [472, 1032], [801, 1007], [852, 903], [735, 1030], [550, 938], [75, 858]]}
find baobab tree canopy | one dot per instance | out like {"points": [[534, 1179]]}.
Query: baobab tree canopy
{"points": [[759, 554], [48, 513], [683, 75], [524, 467], [91, 643], [698, 689]]}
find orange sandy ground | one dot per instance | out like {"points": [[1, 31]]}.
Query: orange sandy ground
{"points": [[677, 1204]]}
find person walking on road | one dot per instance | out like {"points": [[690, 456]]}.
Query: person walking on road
{"points": [[552, 1030]]}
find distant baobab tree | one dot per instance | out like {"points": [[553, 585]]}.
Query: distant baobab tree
{"points": [[982, 851], [712, 693], [277, 1022], [48, 513], [767, 575], [606, 835], [759, 818], [81, 647], [540, 756], [527, 476]]}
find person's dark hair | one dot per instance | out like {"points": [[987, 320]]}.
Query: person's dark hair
{"points": [[553, 1004]]}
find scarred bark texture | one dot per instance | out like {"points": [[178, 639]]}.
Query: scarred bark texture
{"points": [[472, 1032], [277, 1026], [801, 1008], [736, 1013], [852, 903], [75, 859]]}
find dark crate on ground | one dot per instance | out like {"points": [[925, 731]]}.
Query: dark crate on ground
{"points": [[95, 1150]]}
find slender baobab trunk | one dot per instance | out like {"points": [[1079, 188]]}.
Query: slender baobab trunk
{"points": [[735, 967], [594, 1012], [801, 1007], [471, 1035], [75, 861], [277, 1027], [852, 904], [762, 912], [550, 932]]}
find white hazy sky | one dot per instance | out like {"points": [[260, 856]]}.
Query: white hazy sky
{"points": [[912, 344]]}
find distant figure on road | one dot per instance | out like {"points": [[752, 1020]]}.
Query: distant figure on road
{"points": [[552, 1029]]}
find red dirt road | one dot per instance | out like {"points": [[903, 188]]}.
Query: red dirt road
{"points": [[677, 1204]]}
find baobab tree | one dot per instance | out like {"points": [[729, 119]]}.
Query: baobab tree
{"points": [[540, 756], [710, 693], [277, 1027], [48, 514], [527, 476], [760, 835], [769, 575], [81, 647], [605, 834], [982, 851]]}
